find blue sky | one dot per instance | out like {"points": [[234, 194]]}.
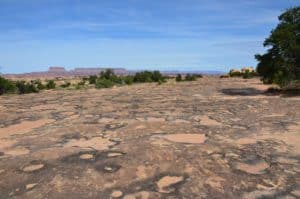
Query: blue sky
{"points": [[135, 34]]}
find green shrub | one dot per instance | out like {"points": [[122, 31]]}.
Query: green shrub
{"points": [[247, 74], [104, 83], [128, 80], [38, 84], [178, 78], [92, 79], [142, 77], [6, 86], [50, 84], [189, 77], [24, 87], [147, 76], [157, 76]]}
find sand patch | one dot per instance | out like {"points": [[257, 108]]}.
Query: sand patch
{"points": [[86, 156], [116, 194], [33, 167], [4, 143], [45, 107], [96, 143], [30, 186], [165, 183], [256, 168], [284, 160], [114, 154], [207, 121], [215, 182], [23, 127], [68, 113], [186, 138], [105, 120], [53, 153], [180, 121], [17, 151], [155, 119], [274, 115], [141, 172], [138, 195], [246, 141], [140, 127]]}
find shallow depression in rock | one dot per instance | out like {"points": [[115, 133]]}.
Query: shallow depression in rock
{"points": [[186, 138]]}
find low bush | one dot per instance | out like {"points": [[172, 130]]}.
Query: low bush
{"points": [[104, 83], [128, 80], [92, 79], [25, 87], [178, 78], [38, 84], [148, 76], [50, 84], [6, 86], [189, 77]]}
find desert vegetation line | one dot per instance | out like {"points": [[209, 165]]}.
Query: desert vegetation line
{"points": [[106, 79]]}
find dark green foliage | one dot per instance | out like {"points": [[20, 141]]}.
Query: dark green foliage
{"points": [[66, 85], [107, 79], [38, 84], [157, 76], [142, 77], [104, 83], [92, 79], [108, 74], [25, 87], [189, 77], [50, 84], [148, 76], [281, 63], [128, 80], [247, 75], [6, 86], [178, 78]]}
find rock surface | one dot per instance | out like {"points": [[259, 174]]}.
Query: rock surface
{"points": [[212, 138]]}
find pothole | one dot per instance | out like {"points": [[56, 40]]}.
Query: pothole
{"points": [[254, 167], [30, 186], [137, 195], [116, 194], [96, 143], [114, 154], [186, 138], [164, 185], [86, 156], [33, 167]]}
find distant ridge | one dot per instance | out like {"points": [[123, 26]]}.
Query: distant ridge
{"points": [[59, 71]]}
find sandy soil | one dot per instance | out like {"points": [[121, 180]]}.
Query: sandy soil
{"points": [[213, 138]]}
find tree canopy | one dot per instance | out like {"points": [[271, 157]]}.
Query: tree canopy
{"points": [[281, 63]]}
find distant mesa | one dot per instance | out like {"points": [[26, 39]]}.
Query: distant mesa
{"points": [[61, 72], [58, 71]]}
